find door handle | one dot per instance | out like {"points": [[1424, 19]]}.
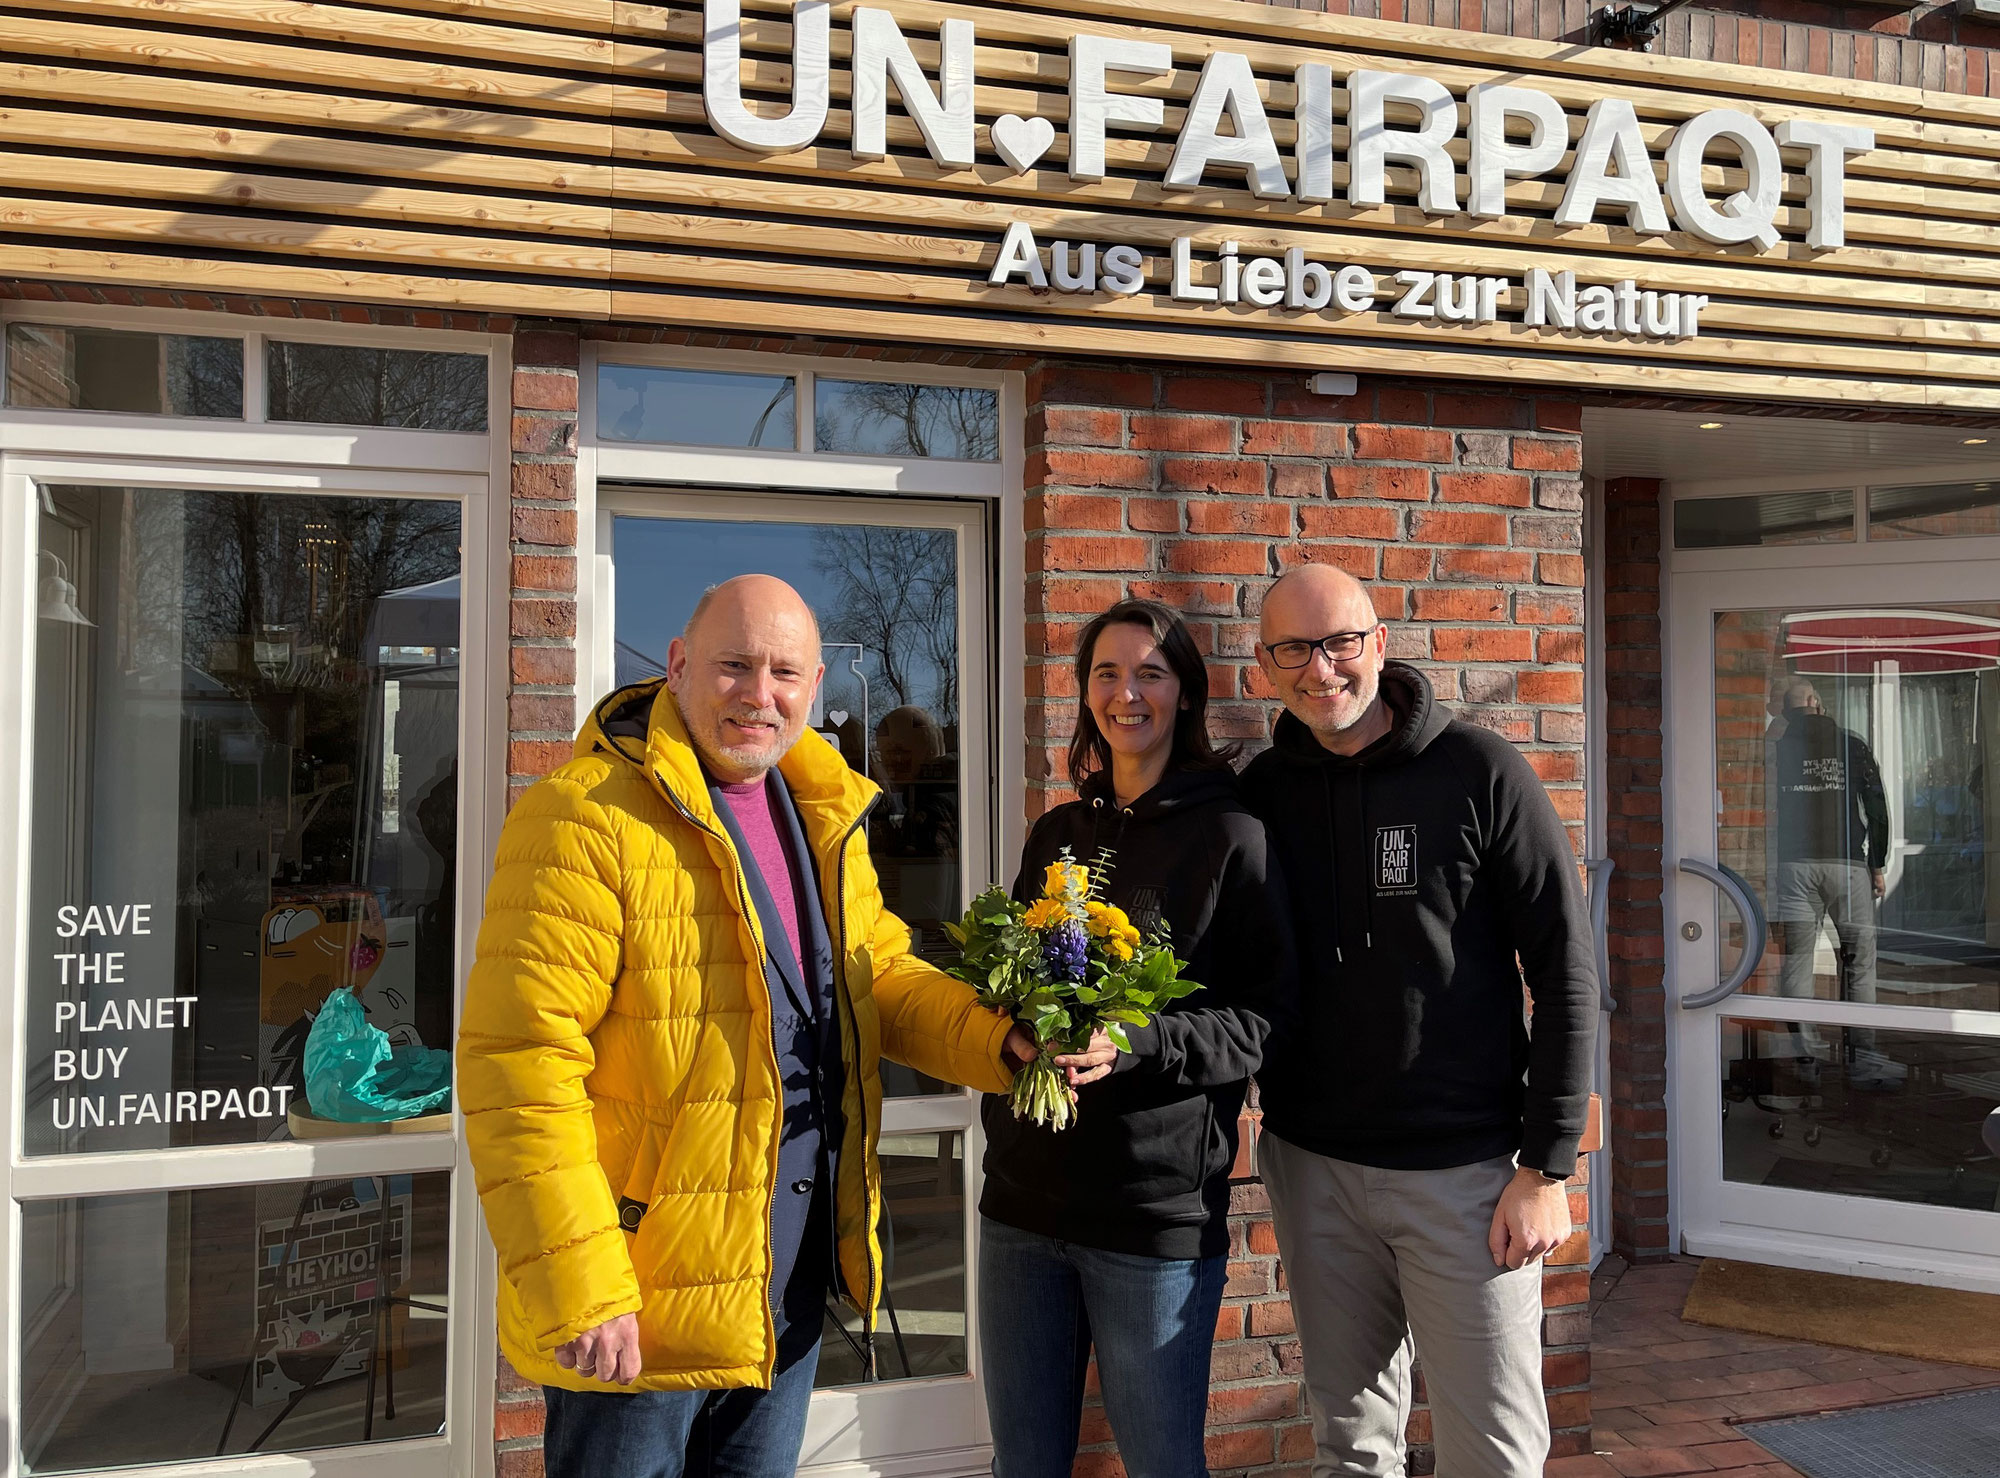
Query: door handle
{"points": [[1756, 928], [1599, 870]]}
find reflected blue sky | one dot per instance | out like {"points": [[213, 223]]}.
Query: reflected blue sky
{"points": [[891, 591], [696, 407]]}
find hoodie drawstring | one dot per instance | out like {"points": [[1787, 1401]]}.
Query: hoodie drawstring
{"points": [[1367, 847], [1333, 860], [1100, 813], [1369, 874]]}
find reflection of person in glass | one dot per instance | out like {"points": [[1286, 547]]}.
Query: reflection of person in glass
{"points": [[1832, 847], [913, 833], [670, 1055], [1115, 1231]]}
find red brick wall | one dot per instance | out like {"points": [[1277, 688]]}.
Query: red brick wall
{"points": [[1633, 839], [541, 698], [1464, 507], [1462, 504]]}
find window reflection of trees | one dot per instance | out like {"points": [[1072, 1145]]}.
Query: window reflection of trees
{"points": [[896, 592], [872, 418], [298, 578], [257, 605], [337, 384]]}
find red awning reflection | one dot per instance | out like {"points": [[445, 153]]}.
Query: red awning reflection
{"points": [[1834, 642]]}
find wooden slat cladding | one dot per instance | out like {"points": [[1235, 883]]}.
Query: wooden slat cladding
{"points": [[554, 156]]}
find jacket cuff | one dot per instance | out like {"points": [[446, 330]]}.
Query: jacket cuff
{"points": [[999, 1075], [1145, 1042], [1551, 1152]]}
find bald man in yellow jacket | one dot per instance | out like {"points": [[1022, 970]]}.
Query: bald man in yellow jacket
{"points": [[672, 1122]]}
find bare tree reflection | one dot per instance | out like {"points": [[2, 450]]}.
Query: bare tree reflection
{"points": [[339, 384], [870, 418], [896, 592]]}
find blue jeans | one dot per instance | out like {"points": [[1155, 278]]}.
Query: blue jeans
{"points": [[1044, 1303], [745, 1433]]}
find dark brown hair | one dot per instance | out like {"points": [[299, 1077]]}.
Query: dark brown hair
{"points": [[1192, 750]]}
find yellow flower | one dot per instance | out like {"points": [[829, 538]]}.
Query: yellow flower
{"points": [[1119, 948], [1066, 880], [1104, 920], [1045, 914]]}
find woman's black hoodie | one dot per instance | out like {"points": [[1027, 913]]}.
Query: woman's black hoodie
{"points": [[1421, 870], [1144, 1168]]}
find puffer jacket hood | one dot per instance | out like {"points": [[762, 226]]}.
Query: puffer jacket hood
{"points": [[616, 1046]]}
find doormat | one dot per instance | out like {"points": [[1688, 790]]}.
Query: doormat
{"points": [[1937, 1437], [1942, 1324]]}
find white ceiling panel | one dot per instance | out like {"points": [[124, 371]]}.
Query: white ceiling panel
{"points": [[1686, 447]]}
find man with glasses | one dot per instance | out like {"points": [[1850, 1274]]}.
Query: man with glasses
{"points": [[1417, 1134]]}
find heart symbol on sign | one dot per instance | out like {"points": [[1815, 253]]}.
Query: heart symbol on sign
{"points": [[1022, 141], [836, 716]]}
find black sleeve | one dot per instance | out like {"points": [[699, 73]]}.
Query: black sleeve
{"points": [[1874, 805], [1248, 976], [1529, 851]]}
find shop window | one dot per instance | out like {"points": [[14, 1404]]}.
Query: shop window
{"points": [[347, 385], [696, 407], [876, 418], [245, 799], [1859, 1111], [1949, 510], [176, 1326], [51, 367], [1766, 519]]}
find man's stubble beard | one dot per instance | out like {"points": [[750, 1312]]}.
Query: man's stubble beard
{"points": [[1362, 703], [717, 756]]}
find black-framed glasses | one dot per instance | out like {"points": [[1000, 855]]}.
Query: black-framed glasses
{"points": [[1342, 646]]}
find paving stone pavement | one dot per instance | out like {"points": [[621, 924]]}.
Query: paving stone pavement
{"points": [[1665, 1395]]}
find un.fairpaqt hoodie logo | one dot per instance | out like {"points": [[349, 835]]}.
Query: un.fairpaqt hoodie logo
{"points": [[1395, 860]]}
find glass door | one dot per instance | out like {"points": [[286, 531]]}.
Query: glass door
{"points": [[241, 800], [903, 595], [1834, 915]]}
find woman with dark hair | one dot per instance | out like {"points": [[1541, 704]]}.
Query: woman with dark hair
{"points": [[1113, 1233]]}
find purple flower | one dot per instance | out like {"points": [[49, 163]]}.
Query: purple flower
{"points": [[1066, 951]]}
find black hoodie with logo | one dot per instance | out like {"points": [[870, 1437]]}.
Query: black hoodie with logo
{"points": [[1144, 1168], [1418, 870]]}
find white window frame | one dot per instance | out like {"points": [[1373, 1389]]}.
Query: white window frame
{"points": [[1708, 1215], [1859, 550], [133, 450], [1596, 833], [621, 478]]}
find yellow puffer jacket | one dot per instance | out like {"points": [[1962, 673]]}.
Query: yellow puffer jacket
{"points": [[616, 1042]]}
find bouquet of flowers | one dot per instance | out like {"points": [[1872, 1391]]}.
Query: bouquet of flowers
{"points": [[1065, 965]]}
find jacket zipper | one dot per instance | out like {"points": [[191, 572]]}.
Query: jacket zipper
{"points": [[771, 1210], [861, 1096]]}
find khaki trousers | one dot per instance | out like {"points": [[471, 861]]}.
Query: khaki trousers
{"points": [[1379, 1261]]}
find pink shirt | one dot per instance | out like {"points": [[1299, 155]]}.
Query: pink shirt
{"points": [[750, 803]]}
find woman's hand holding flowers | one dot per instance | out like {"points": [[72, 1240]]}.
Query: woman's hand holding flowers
{"points": [[1094, 1062]]}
